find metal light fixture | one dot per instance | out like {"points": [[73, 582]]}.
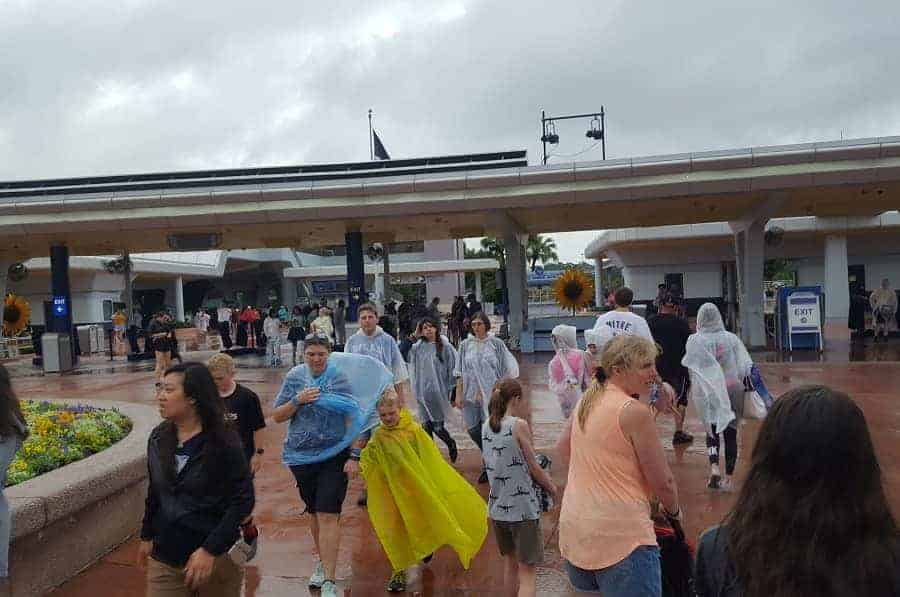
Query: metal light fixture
{"points": [[596, 130], [550, 136]]}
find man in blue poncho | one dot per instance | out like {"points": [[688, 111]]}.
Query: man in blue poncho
{"points": [[329, 401]]}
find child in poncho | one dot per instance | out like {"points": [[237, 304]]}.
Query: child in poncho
{"points": [[417, 502]]}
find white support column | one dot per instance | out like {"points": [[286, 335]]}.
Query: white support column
{"points": [[4, 272], [515, 282], [379, 289], [749, 245], [598, 282], [837, 290], [478, 286], [288, 292], [179, 298]]}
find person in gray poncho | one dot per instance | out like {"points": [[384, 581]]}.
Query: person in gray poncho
{"points": [[483, 361], [432, 360]]}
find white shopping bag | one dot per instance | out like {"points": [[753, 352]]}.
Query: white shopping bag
{"points": [[754, 407]]}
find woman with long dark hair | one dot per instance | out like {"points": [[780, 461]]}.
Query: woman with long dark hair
{"points": [[13, 432], [158, 331], [812, 517], [483, 361], [432, 360], [200, 491]]}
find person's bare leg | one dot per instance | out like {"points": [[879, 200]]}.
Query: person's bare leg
{"points": [[527, 580], [510, 575], [680, 412], [314, 531], [329, 542]]}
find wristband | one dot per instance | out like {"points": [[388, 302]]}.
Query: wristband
{"points": [[260, 451], [355, 454]]}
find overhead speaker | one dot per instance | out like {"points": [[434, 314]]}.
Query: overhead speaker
{"points": [[17, 272]]}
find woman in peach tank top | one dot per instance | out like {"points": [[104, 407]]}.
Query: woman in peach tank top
{"points": [[617, 465]]}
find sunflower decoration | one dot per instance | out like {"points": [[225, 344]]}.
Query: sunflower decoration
{"points": [[573, 290], [16, 312]]}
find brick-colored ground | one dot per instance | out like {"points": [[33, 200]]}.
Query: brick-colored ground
{"points": [[285, 559]]}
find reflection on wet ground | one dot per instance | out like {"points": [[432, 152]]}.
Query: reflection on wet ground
{"points": [[286, 555]]}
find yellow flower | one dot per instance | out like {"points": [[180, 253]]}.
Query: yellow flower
{"points": [[573, 289], [16, 313]]}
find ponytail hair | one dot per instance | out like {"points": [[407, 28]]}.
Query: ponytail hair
{"points": [[622, 352], [503, 393]]}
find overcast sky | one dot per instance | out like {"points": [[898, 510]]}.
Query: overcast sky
{"points": [[93, 87]]}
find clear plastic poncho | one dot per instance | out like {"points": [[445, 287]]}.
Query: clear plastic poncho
{"points": [[717, 361], [568, 373], [481, 364], [350, 388], [432, 378], [599, 337]]}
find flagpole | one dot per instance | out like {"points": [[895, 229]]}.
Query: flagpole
{"points": [[371, 141]]}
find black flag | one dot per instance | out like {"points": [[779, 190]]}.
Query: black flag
{"points": [[380, 152]]}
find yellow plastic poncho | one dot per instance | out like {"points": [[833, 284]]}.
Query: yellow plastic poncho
{"points": [[418, 502]]}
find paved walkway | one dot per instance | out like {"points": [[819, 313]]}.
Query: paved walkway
{"points": [[285, 558]]}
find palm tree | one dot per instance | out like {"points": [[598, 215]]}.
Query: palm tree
{"points": [[494, 248], [540, 248]]}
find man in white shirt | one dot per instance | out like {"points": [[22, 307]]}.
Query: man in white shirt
{"points": [[223, 316], [621, 320]]}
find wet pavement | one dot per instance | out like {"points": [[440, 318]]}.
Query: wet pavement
{"points": [[286, 558]]}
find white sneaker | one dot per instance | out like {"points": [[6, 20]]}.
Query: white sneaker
{"points": [[329, 589], [726, 485], [318, 577]]}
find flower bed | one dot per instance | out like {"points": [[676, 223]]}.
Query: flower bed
{"points": [[61, 434]]}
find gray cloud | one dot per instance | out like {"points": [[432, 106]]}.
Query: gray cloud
{"points": [[94, 87]]}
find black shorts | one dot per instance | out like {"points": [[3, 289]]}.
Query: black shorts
{"points": [[162, 345], [323, 485]]}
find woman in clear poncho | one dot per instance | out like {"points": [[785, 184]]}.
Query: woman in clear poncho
{"points": [[569, 372], [432, 360], [718, 363], [483, 361]]}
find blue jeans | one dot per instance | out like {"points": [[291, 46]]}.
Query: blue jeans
{"points": [[638, 575]]}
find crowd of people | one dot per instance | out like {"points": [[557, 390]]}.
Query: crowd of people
{"points": [[813, 479]]}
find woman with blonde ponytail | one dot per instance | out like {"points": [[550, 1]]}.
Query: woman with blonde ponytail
{"points": [[617, 466]]}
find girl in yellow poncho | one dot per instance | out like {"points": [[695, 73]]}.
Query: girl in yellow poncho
{"points": [[417, 502]]}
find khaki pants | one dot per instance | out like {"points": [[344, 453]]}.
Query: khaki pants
{"points": [[167, 581]]}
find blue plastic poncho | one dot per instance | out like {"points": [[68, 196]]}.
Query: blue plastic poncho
{"points": [[350, 388]]}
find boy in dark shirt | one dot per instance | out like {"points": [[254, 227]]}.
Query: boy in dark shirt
{"points": [[671, 332], [242, 405]]}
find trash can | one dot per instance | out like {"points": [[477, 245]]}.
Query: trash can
{"points": [[57, 352]]}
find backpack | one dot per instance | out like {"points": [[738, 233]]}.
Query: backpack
{"points": [[677, 561]]}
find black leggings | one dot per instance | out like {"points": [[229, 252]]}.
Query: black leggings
{"points": [[475, 434], [437, 428], [731, 449]]}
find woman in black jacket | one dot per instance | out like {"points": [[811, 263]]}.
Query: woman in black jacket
{"points": [[200, 491]]}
